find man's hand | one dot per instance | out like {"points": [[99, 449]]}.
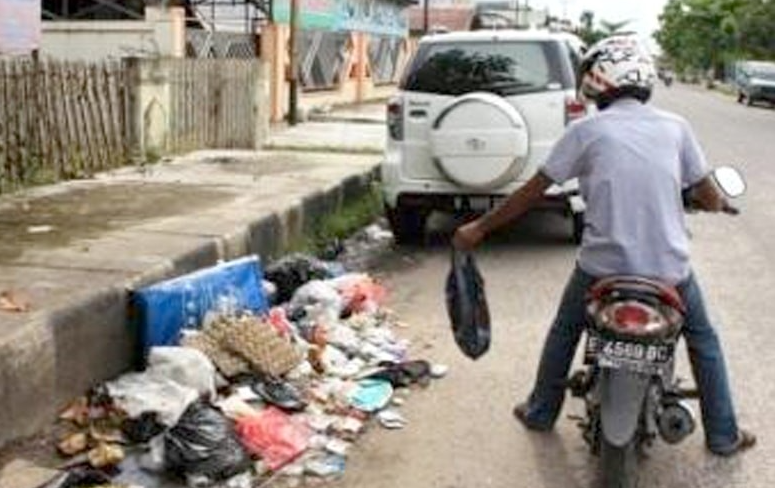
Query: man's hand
{"points": [[706, 196], [468, 236]]}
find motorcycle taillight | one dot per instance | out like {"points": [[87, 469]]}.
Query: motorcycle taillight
{"points": [[633, 318]]}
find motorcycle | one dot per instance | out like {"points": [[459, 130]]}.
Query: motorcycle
{"points": [[628, 384]]}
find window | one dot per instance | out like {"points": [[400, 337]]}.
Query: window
{"points": [[504, 68]]}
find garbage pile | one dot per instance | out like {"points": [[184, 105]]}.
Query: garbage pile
{"points": [[272, 399]]}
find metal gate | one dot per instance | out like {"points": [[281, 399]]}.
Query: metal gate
{"points": [[208, 44], [384, 53], [323, 57]]}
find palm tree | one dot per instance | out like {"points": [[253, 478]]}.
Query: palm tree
{"points": [[611, 28]]}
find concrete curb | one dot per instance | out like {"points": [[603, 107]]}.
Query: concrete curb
{"points": [[323, 148], [53, 356], [346, 118]]}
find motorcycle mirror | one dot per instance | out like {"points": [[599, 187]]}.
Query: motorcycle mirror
{"points": [[730, 181]]}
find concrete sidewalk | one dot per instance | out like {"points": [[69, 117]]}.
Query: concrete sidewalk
{"points": [[72, 250], [355, 128]]}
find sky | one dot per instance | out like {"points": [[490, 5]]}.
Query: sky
{"points": [[643, 13]]}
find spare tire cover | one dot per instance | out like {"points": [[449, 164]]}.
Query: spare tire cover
{"points": [[480, 141]]}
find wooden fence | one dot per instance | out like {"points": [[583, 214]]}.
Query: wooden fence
{"points": [[60, 120], [213, 103]]}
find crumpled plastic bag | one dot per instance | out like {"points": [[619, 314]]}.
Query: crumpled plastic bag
{"points": [[184, 365], [319, 300], [174, 379], [467, 306], [204, 443], [274, 435], [138, 393]]}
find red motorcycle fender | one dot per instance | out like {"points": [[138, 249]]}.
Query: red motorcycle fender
{"points": [[622, 396]]}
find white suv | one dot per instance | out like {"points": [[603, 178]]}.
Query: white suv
{"points": [[475, 117]]}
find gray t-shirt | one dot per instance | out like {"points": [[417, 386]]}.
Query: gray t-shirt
{"points": [[632, 162]]}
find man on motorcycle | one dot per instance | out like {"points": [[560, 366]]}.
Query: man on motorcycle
{"points": [[632, 162]]}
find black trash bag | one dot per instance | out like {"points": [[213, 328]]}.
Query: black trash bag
{"points": [[80, 477], [204, 443], [142, 429], [292, 271], [467, 305]]}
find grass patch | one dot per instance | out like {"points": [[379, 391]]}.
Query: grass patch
{"points": [[340, 225]]}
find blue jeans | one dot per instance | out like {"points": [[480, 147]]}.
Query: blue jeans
{"points": [[705, 355]]}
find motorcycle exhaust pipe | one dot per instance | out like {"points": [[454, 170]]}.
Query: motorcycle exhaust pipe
{"points": [[676, 422]]}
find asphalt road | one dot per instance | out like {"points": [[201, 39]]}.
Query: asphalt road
{"points": [[461, 433]]}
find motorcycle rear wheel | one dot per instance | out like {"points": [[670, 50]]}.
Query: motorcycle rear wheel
{"points": [[618, 465]]}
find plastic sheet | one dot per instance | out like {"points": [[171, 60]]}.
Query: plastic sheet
{"points": [[467, 306], [371, 395], [166, 308]]}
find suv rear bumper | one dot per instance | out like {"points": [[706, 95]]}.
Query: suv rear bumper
{"points": [[457, 202]]}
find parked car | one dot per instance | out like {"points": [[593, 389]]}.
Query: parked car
{"points": [[475, 117], [755, 82]]}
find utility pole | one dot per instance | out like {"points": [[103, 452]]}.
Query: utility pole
{"points": [[425, 13], [293, 82]]}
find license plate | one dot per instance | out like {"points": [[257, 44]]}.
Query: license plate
{"points": [[618, 354], [633, 351], [480, 203]]}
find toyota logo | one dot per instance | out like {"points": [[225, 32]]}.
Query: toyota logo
{"points": [[475, 144]]}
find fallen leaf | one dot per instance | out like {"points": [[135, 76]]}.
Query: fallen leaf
{"points": [[77, 412], [113, 436], [13, 303], [105, 455]]}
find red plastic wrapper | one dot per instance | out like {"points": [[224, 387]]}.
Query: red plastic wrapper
{"points": [[361, 293], [280, 322], [274, 435]]}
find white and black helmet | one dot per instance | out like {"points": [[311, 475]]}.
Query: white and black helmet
{"points": [[614, 67]]}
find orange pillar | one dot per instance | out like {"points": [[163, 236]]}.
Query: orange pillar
{"points": [[274, 47], [361, 59]]}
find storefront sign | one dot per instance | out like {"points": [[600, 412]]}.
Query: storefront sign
{"points": [[20, 26], [373, 16]]}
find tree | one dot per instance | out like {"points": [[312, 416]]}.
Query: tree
{"points": [[591, 34], [704, 35], [610, 28]]}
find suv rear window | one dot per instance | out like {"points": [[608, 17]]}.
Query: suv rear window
{"points": [[504, 68]]}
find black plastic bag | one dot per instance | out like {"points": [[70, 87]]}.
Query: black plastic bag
{"points": [[292, 271], [204, 443], [467, 305], [80, 477], [143, 428]]}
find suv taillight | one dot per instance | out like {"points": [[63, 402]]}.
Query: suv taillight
{"points": [[574, 109], [395, 120]]}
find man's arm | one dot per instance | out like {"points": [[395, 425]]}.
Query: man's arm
{"points": [[470, 235]]}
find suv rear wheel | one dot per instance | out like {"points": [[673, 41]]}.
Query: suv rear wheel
{"points": [[407, 223]]}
